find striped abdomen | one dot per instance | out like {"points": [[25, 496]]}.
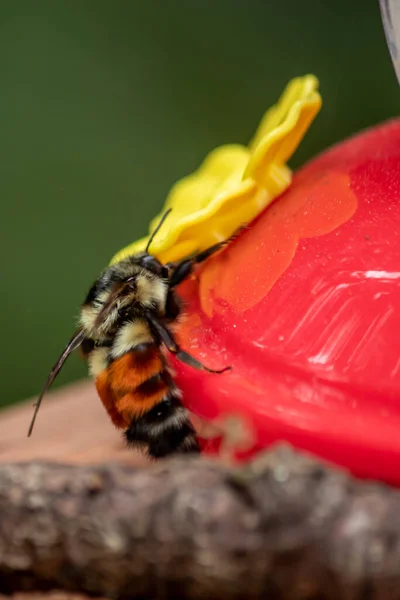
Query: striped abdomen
{"points": [[140, 396]]}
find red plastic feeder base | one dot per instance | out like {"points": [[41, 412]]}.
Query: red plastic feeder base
{"points": [[305, 306]]}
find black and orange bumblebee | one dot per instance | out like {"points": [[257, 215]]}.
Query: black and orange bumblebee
{"points": [[125, 322]]}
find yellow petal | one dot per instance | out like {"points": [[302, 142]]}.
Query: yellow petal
{"points": [[297, 89], [194, 200], [283, 128], [234, 183]]}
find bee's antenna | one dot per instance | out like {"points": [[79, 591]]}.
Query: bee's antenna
{"points": [[157, 229], [72, 345]]}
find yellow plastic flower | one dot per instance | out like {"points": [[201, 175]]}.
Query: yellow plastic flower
{"points": [[234, 183]]}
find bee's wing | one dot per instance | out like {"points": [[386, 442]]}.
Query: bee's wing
{"points": [[72, 345]]}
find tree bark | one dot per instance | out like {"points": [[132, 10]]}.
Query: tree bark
{"points": [[284, 527]]}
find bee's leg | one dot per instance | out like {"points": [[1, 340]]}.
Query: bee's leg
{"points": [[183, 269], [169, 342]]}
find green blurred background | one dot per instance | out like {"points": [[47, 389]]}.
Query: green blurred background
{"points": [[105, 104]]}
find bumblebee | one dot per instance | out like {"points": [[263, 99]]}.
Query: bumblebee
{"points": [[125, 323]]}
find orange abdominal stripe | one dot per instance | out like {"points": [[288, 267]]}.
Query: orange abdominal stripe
{"points": [[132, 385], [108, 399], [133, 406], [134, 368]]}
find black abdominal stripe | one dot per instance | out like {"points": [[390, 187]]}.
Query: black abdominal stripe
{"points": [[165, 429]]}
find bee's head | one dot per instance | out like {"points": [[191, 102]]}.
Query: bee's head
{"points": [[152, 264], [133, 284], [137, 282]]}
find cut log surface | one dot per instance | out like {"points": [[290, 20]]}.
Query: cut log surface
{"points": [[48, 596], [283, 527], [71, 427]]}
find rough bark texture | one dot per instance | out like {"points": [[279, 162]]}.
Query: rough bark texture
{"points": [[285, 527]]}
